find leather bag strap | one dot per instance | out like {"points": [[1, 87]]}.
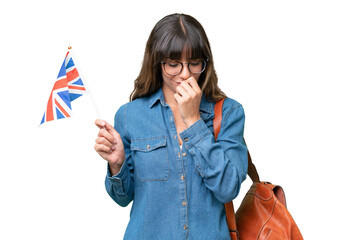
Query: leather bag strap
{"points": [[229, 207], [252, 172]]}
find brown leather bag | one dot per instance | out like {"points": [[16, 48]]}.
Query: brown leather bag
{"points": [[262, 214]]}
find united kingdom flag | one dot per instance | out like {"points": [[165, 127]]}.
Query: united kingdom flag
{"points": [[67, 88]]}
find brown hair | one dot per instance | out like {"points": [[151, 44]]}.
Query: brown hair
{"points": [[167, 40]]}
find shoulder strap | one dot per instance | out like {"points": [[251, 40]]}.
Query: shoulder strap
{"points": [[252, 172], [229, 207]]}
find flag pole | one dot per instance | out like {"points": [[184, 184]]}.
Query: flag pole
{"points": [[85, 83]]}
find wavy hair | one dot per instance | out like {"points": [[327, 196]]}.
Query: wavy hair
{"points": [[167, 40]]}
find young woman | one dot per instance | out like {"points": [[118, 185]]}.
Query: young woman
{"points": [[162, 154]]}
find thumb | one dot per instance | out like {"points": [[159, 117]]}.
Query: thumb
{"points": [[111, 130], [103, 124]]}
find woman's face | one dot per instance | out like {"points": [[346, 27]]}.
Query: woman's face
{"points": [[170, 82]]}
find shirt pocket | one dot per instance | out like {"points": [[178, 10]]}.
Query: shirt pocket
{"points": [[151, 159]]}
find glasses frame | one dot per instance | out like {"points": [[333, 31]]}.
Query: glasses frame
{"points": [[182, 66]]}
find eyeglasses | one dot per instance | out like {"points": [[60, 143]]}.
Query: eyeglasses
{"points": [[175, 67]]}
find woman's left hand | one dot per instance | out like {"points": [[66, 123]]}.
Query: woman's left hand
{"points": [[188, 97]]}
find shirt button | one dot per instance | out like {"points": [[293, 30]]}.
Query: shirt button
{"points": [[184, 154], [185, 227], [179, 155], [174, 136], [148, 146], [184, 203], [182, 177], [186, 139]]}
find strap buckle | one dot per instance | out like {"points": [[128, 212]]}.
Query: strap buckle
{"points": [[234, 234]]}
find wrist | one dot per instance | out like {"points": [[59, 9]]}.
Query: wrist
{"points": [[191, 121], [114, 168]]}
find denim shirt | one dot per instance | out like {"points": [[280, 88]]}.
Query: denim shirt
{"points": [[178, 193]]}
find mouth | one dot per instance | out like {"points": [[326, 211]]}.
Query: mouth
{"points": [[178, 83]]}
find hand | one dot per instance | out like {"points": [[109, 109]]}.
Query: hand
{"points": [[188, 97], [109, 145]]}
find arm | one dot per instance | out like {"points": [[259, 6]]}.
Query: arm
{"points": [[222, 164], [120, 186]]}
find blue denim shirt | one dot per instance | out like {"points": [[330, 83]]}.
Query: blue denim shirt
{"points": [[178, 193]]}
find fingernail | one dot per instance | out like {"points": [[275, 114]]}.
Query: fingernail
{"points": [[113, 148], [115, 142]]}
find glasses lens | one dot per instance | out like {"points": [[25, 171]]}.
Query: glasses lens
{"points": [[172, 67], [197, 66]]}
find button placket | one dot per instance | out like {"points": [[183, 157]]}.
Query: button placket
{"points": [[179, 155], [183, 194]]}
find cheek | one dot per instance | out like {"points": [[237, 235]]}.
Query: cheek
{"points": [[164, 76], [167, 77]]}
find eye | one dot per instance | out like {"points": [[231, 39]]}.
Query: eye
{"points": [[195, 63], [173, 64]]}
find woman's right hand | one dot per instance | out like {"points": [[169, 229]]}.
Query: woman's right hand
{"points": [[109, 146]]}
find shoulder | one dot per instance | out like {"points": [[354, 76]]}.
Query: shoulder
{"points": [[130, 115], [138, 105], [231, 103], [232, 106]]}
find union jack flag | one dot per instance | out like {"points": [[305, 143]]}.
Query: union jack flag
{"points": [[67, 88]]}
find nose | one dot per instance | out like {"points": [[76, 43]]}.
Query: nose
{"points": [[185, 72]]}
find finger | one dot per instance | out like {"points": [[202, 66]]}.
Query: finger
{"points": [[182, 92], [178, 98], [103, 124], [104, 133], [194, 84], [104, 141], [111, 130], [100, 123], [188, 88], [102, 148]]}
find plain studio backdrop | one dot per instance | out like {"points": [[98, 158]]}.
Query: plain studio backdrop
{"points": [[294, 66]]}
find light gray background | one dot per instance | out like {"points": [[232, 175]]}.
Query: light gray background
{"points": [[294, 65]]}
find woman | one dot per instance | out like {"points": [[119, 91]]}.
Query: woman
{"points": [[161, 152]]}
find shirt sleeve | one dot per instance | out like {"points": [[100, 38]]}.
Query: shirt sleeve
{"points": [[222, 163], [120, 186]]}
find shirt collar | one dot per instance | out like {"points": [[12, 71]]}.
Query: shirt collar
{"points": [[206, 106], [155, 97], [158, 96]]}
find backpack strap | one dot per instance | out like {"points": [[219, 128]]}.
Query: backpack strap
{"points": [[229, 207], [252, 172]]}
